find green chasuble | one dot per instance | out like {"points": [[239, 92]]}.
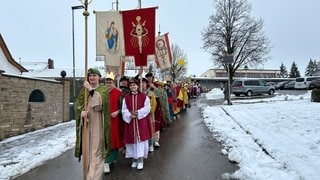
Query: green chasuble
{"points": [[104, 92]]}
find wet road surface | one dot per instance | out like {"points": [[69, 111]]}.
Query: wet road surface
{"points": [[187, 151]]}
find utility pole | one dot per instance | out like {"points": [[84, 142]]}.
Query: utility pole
{"points": [[228, 59]]}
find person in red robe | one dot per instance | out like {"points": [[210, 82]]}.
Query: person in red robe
{"points": [[137, 128], [116, 136]]}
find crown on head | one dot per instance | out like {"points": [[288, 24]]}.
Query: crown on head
{"points": [[110, 75]]}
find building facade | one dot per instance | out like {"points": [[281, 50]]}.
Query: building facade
{"points": [[243, 73]]}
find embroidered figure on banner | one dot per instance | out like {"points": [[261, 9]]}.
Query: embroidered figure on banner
{"points": [[139, 34], [112, 38], [162, 51]]}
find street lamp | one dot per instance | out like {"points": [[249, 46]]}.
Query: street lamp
{"points": [[73, 54]]}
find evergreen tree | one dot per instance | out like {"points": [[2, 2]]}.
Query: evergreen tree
{"points": [[283, 71], [312, 67], [294, 72]]}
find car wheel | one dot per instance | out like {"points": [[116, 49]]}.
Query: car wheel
{"points": [[271, 92], [249, 93]]}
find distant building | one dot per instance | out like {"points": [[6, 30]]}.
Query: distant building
{"points": [[215, 78], [248, 73]]}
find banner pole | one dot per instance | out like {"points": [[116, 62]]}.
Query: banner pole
{"points": [[84, 130], [139, 4]]}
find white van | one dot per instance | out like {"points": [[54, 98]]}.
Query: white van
{"points": [[303, 82]]}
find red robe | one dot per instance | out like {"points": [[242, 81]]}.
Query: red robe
{"points": [[140, 128], [116, 133], [158, 115]]}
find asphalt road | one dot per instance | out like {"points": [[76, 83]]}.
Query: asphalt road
{"points": [[187, 151]]}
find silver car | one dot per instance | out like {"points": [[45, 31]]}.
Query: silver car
{"points": [[251, 87]]}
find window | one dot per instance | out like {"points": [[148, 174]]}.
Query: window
{"points": [[251, 83], [299, 79], [36, 96], [237, 83], [262, 83]]}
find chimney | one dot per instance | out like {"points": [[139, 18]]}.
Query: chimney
{"points": [[50, 64]]}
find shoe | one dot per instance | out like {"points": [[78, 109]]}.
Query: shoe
{"points": [[140, 166], [134, 164], [151, 148], [156, 144], [106, 168], [122, 151]]}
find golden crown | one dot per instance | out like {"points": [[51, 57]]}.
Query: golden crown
{"points": [[110, 75]]}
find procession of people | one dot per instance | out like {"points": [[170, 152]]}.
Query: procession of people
{"points": [[126, 119]]}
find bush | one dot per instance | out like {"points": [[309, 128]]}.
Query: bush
{"points": [[315, 95]]}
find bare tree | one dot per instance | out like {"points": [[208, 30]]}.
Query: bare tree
{"points": [[231, 30], [177, 69]]}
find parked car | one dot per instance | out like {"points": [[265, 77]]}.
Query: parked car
{"points": [[290, 85], [303, 82], [271, 83], [314, 84], [251, 87], [281, 85]]}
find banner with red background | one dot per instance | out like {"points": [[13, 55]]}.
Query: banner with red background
{"points": [[139, 33]]}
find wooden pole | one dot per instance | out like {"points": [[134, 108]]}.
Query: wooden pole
{"points": [[141, 67], [84, 130]]}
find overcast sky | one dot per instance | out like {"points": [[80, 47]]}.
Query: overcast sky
{"points": [[36, 30]]}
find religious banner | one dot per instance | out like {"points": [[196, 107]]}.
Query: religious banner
{"points": [[139, 34], [109, 37], [163, 55]]}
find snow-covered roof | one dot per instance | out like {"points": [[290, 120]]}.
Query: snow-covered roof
{"points": [[31, 66]]}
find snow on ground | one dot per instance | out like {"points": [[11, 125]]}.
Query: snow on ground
{"points": [[270, 138], [22, 153]]}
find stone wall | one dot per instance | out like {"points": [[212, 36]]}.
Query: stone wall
{"points": [[18, 115]]}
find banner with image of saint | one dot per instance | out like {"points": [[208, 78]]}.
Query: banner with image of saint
{"points": [[109, 37]]}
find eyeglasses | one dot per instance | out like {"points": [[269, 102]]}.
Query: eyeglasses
{"points": [[109, 82]]}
